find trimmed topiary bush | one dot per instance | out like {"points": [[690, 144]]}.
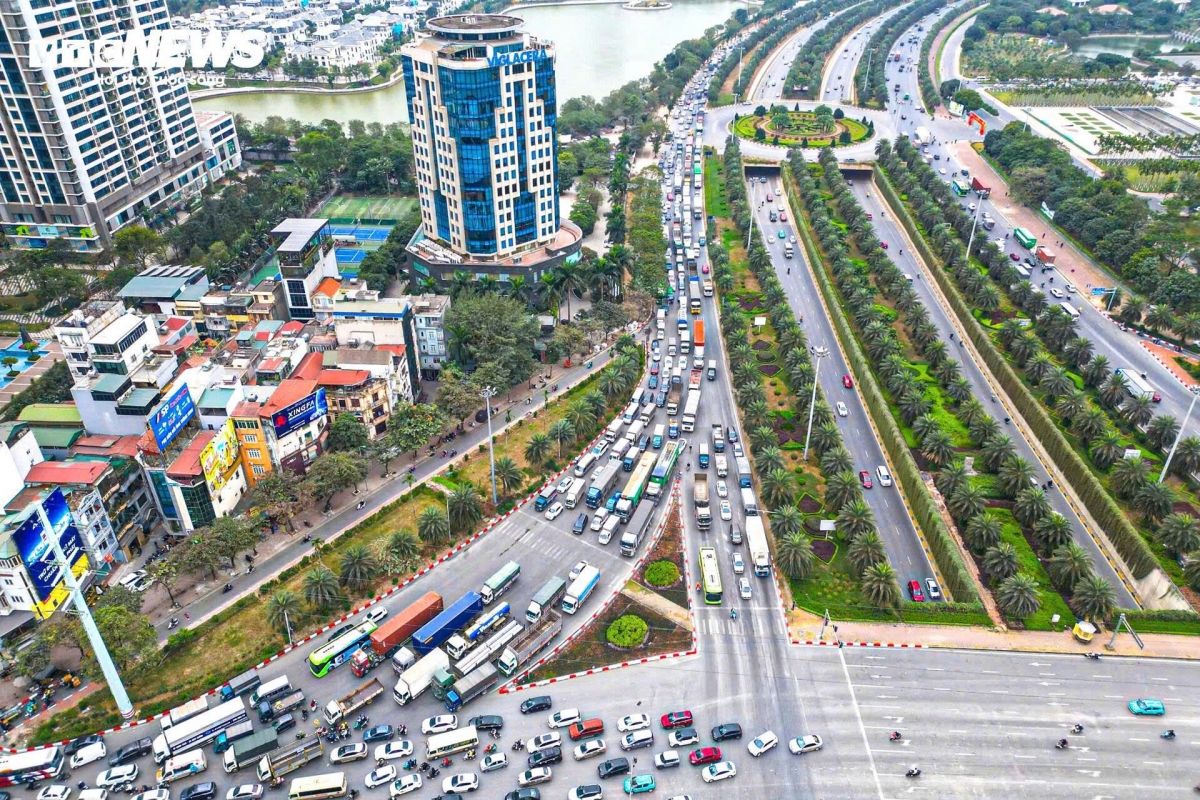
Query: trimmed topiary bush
{"points": [[662, 573], [627, 631]]}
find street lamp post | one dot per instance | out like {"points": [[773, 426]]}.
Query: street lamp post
{"points": [[1178, 436], [818, 354], [974, 225], [487, 394]]}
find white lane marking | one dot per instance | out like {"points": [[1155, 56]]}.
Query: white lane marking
{"points": [[861, 729], [1102, 676]]}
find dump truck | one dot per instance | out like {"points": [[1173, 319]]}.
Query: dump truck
{"points": [[470, 687], [981, 188], [529, 643], [269, 711], [673, 398], [289, 758], [415, 680], [245, 752], [364, 695], [700, 501], [396, 630]]}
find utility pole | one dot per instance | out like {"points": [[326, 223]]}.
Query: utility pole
{"points": [[818, 354], [288, 624], [50, 536], [487, 394], [750, 228], [1178, 436], [974, 224]]}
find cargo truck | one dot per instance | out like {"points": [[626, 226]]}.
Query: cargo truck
{"points": [[745, 479], [364, 695], [441, 682], [185, 711], [246, 751], [489, 649], [698, 338], [700, 501], [501, 581], [435, 632], [470, 687], [1046, 257], [269, 711], [1136, 385], [660, 435], [603, 483], [722, 465], [756, 541], [981, 188], [922, 136], [233, 733], [673, 398], [695, 377], [530, 642], [289, 758], [396, 630], [718, 437], [690, 410], [415, 680], [1027, 239]]}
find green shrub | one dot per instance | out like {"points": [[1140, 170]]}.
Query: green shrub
{"points": [[627, 631], [662, 573]]}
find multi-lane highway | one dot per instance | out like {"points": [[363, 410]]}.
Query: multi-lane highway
{"points": [[837, 82]]}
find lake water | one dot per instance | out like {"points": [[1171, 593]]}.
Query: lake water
{"points": [[1125, 45], [599, 47]]}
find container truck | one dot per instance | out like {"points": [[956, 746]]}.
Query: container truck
{"points": [[673, 398], [1136, 385], [745, 479], [415, 680], [198, 730], [185, 711], [233, 733], [489, 649], [364, 695], [603, 483], [442, 627], [690, 410], [698, 338], [396, 630], [249, 750], [636, 428], [289, 758], [441, 683], [470, 687], [981, 188], [1027, 239], [700, 501], [582, 588], [1044, 256], [756, 540], [531, 641], [269, 711]]}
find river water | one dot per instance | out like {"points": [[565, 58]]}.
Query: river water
{"points": [[599, 47], [1092, 46]]}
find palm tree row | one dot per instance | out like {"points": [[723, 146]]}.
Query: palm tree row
{"points": [[602, 276], [1159, 318]]}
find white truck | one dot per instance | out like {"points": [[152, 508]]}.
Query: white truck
{"points": [[488, 649], [529, 643], [922, 136], [756, 541], [364, 695], [690, 410], [415, 680]]}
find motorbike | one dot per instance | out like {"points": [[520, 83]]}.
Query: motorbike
{"points": [[410, 764], [491, 748], [359, 724], [447, 761], [174, 623], [304, 713], [434, 772], [1077, 729], [470, 756], [1167, 734], [1062, 744], [1093, 656], [228, 588], [518, 745], [913, 773], [424, 766], [895, 737]]}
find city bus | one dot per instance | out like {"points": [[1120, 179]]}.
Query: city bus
{"points": [[338, 652], [959, 188], [503, 579], [33, 765], [318, 787], [450, 742], [710, 575]]}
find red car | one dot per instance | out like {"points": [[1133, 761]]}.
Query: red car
{"points": [[654, 368], [883, 245], [704, 267], [847, 381], [1014, 256], [705, 755], [783, 216], [864, 477], [914, 589], [769, 197], [677, 719]]}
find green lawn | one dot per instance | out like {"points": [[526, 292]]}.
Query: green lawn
{"points": [[714, 187], [1052, 601]]}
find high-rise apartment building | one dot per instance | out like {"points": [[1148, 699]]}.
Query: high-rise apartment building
{"points": [[85, 150], [484, 109]]}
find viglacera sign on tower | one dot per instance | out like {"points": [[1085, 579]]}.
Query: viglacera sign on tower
{"points": [[521, 57], [300, 413]]}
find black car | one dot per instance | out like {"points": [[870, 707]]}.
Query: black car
{"points": [[524, 794], [131, 752], [539, 703], [488, 722], [613, 767], [544, 758], [451, 796], [75, 745], [379, 733], [285, 722], [730, 730], [580, 523], [201, 791]]}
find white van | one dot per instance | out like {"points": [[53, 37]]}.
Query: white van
{"points": [[885, 477], [585, 463], [88, 754], [610, 527], [182, 766]]}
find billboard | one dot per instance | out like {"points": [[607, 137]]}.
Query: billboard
{"points": [[219, 456], [168, 419], [37, 554], [300, 413]]}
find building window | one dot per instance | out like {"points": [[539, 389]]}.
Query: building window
{"points": [[253, 452], [257, 469], [250, 438]]}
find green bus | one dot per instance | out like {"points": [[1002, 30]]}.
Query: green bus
{"points": [[1025, 237], [338, 652], [710, 576], [959, 188]]}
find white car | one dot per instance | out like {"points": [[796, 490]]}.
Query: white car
{"points": [[589, 749], [744, 588], [682, 737], [493, 762], [409, 783], [87, 754], [153, 794], [720, 771], [633, 722], [1070, 288], [117, 776], [376, 613], [842, 410], [598, 519], [656, 353], [133, 577], [554, 510], [531, 777], [564, 718], [247, 791], [885, 477], [462, 782], [378, 777], [565, 484], [942, 171], [726, 510], [739, 566], [1057, 293], [805, 744], [762, 743], [439, 724], [722, 489], [389, 750], [348, 752], [545, 740], [577, 569], [54, 792]]}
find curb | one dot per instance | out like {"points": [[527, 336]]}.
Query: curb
{"points": [[901, 646]]}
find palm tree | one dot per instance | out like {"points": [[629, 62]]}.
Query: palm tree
{"points": [[936, 447], [951, 478], [763, 436], [433, 526], [1018, 596], [996, 451], [924, 426], [984, 429], [537, 449], [570, 280], [1097, 371], [983, 532], [1094, 598], [879, 586], [1088, 424], [580, 415], [1031, 505], [320, 587], [465, 507], [458, 336], [1154, 501], [836, 460], [1052, 531], [1191, 571], [966, 503], [518, 288], [1107, 448], [769, 459], [1179, 533], [778, 488], [1071, 403], [357, 567], [1137, 411], [1127, 477], [282, 607], [841, 489], [1162, 431], [611, 383], [401, 548], [1000, 561], [786, 521], [1132, 311], [1114, 390], [1015, 475], [1187, 457], [1068, 564], [825, 436], [508, 474], [855, 518], [866, 551], [1159, 318], [795, 556]]}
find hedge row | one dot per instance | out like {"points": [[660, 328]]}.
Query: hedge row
{"points": [[955, 575], [874, 85], [809, 65], [1108, 515], [929, 88]]}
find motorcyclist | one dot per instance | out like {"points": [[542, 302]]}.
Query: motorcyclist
{"points": [[1062, 744]]}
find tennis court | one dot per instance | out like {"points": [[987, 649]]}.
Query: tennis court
{"points": [[366, 210], [362, 233], [350, 255]]}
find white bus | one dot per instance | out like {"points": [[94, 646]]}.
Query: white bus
{"points": [[638, 394], [199, 730], [31, 765], [444, 744], [270, 690], [318, 787], [182, 766], [585, 463], [630, 413], [1072, 312]]}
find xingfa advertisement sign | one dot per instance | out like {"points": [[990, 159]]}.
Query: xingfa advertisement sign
{"points": [[300, 413]]}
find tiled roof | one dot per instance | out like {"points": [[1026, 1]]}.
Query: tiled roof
{"points": [[342, 377], [60, 472], [188, 463], [61, 413], [288, 392]]}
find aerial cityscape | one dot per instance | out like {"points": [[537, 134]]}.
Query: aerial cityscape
{"points": [[456, 399]]}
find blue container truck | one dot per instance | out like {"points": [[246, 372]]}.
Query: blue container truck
{"points": [[435, 632]]}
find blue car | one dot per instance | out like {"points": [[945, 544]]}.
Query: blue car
{"points": [[640, 784], [653, 381], [1147, 708], [379, 733]]}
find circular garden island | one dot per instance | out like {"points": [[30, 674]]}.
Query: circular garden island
{"points": [[820, 127]]}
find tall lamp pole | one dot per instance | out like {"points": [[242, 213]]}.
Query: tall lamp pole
{"points": [[1178, 436], [818, 354], [487, 394]]}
